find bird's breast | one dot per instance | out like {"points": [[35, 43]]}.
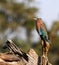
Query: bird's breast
{"points": [[38, 26]]}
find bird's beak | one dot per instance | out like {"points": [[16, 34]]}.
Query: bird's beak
{"points": [[35, 18]]}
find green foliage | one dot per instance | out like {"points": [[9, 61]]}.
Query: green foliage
{"points": [[18, 8], [22, 45], [3, 1], [29, 24], [19, 13], [54, 53]]}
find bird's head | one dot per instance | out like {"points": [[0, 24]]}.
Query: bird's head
{"points": [[37, 19]]}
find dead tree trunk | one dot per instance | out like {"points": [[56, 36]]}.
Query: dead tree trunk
{"points": [[31, 58]]}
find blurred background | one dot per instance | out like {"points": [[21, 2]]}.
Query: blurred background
{"points": [[16, 23]]}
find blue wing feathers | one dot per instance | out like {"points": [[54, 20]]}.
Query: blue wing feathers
{"points": [[43, 35]]}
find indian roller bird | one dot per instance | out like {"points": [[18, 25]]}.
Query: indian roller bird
{"points": [[41, 29]]}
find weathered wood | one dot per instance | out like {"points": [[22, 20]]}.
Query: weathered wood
{"points": [[10, 58], [18, 57], [17, 51]]}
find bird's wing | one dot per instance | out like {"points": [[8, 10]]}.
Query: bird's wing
{"points": [[44, 29]]}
